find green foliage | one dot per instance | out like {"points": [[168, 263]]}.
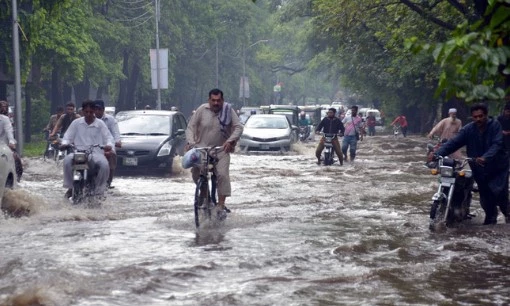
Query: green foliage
{"points": [[474, 61]]}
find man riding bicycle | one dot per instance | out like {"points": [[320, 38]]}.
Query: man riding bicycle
{"points": [[215, 124], [330, 125]]}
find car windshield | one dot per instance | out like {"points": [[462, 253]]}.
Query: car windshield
{"points": [[267, 123], [144, 125]]}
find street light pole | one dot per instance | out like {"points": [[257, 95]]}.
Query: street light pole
{"points": [[157, 57], [244, 67], [17, 78]]}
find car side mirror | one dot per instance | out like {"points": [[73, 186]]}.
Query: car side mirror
{"points": [[179, 132]]}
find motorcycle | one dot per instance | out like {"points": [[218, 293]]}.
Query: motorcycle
{"points": [[84, 174], [451, 202], [304, 133], [328, 148]]}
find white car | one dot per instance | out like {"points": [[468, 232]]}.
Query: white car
{"points": [[267, 133], [7, 170]]}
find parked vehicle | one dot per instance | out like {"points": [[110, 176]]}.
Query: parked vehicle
{"points": [[451, 202], [267, 133], [7, 170], [328, 149], [150, 140]]}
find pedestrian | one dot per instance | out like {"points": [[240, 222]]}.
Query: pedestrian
{"points": [[52, 122], [330, 125], [371, 122], [7, 136], [215, 124], [447, 129], [483, 139], [402, 122], [113, 127], [504, 120], [65, 120], [353, 133]]}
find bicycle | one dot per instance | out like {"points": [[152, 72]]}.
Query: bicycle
{"points": [[206, 197], [396, 130]]}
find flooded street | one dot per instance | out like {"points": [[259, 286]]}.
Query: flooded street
{"points": [[298, 234]]}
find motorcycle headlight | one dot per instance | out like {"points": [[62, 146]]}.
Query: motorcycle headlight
{"points": [[165, 149], [80, 157], [466, 173], [446, 171]]}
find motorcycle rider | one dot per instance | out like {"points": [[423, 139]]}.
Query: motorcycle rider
{"points": [[85, 132], [113, 127], [65, 120], [448, 128], [330, 125], [303, 122], [483, 139], [7, 136]]}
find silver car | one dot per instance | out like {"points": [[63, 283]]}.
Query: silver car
{"points": [[266, 133], [7, 170]]}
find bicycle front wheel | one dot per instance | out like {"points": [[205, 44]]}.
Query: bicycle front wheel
{"points": [[202, 206]]}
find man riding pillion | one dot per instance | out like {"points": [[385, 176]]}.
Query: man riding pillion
{"points": [[215, 124], [330, 125], [85, 132], [305, 123], [113, 127], [483, 139]]}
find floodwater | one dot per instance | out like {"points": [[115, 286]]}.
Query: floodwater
{"points": [[299, 234]]}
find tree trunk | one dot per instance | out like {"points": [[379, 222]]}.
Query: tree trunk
{"points": [[56, 97], [131, 89], [121, 102], [67, 94], [82, 91], [28, 112]]}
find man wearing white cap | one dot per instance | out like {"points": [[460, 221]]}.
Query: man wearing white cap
{"points": [[448, 128]]}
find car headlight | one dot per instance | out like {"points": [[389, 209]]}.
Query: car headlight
{"points": [[283, 137], [244, 136], [165, 149], [446, 171]]}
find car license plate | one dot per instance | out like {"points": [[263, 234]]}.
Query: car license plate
{"points": [[264, 147], [130, 161]]}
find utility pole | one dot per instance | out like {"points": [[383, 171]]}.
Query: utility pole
{"points": [[17, 78], [157, 57]]}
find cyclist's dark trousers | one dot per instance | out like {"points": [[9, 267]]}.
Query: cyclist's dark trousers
{"points": [[490, 201], [371, 131], [404, 130], [336, 147]]}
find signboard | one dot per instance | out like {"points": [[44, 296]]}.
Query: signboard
{"points": [[163, 69]]}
